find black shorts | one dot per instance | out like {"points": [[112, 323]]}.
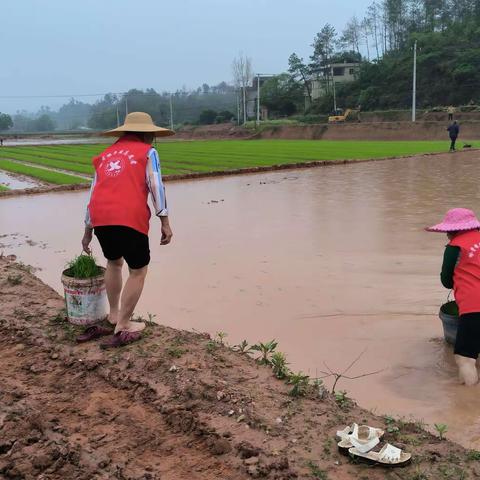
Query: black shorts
{"points": [[118, 241], [468, 335]]}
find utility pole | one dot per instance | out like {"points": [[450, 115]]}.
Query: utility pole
{"points": [[118, 118], [258, 99], [126, 106], [238, 107], [414, 93], [244, 106], [171, 113], [334, 93]]}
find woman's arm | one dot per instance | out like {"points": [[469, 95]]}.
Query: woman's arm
{"points": [[450, 260]]}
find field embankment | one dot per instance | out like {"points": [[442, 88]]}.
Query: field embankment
{"points": [[176, 405], [375, 131]]}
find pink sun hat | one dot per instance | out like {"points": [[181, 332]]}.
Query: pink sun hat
{"points": [[455, 220]]}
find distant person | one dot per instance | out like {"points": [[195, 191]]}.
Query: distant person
{"points": [[450, 111], [1, 142], [461, 271], [453, 131], [118, 213]]}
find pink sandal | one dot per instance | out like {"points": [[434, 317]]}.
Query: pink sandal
{"points": [[121, 339], [93, 332]]}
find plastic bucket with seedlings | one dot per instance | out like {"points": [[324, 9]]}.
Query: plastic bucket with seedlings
{"points": [[449, 316], [85, 295]]}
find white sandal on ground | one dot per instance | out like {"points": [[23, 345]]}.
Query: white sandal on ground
{"points": [[389, 456], [362, 437]]}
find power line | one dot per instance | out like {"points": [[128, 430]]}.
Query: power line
{"points": [[129, 94]]}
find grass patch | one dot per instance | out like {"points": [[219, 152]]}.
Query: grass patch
{"points": [[316, 471], [3, 188], [14, 279], [175, 352], [179, 157]]}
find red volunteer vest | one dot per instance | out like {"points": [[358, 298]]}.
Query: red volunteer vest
{"points": [[466, 277], [120, 193]]}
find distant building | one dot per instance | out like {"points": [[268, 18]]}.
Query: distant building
{"points": [[340, 73], [252, 93]]}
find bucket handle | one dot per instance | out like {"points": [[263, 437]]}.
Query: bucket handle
{"points": [[449, 295]]}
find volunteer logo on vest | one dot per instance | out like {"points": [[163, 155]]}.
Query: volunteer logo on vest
{"points": [[114, 163]]}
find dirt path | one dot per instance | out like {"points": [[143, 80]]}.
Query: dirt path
{"points": [[177, 405]]}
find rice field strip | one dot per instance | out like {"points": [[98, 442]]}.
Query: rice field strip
{"points": [[87, 174], [44, 174], [183, 158]]}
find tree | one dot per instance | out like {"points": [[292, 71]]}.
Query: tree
{"points": [[72, 115], [207, 117], [242, 75], [5, 122], [366, 28], [373, 15], [43, 123], [300, 70], [324, 45], [282, 95], [351, 35], [224, 116]]}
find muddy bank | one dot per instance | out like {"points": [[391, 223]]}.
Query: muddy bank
{"points": [[299, 257], [177, 405], [421, 130], [221, 131]]}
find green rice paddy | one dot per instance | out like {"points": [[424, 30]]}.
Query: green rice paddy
{"points": [[180, 157], [43, 174]]}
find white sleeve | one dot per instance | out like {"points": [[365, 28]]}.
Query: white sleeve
{"points": [[88, 222], [155, 184]]}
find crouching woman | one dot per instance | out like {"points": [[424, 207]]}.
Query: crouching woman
{"points": [[461, 271]]}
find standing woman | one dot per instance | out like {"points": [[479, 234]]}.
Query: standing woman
{"points": [[118, 214]]}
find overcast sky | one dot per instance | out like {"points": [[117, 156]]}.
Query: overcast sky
{"points": [[63, 47]]}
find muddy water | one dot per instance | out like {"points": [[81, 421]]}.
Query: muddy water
{"points": [[14, 181], [331, 262]]}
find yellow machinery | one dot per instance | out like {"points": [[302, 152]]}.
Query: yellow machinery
{"points": [[340, 118]]}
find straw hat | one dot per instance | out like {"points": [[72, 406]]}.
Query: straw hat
{"points": [[139, 122], [456, 220]]}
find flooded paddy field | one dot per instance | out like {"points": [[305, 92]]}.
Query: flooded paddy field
{"points": [[331, 262], [72, 164]]}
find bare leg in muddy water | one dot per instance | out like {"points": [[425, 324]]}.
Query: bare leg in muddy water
{"points": [[130, 295], [467, 370]]}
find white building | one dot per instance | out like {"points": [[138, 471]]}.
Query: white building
{"points": [[339, 72]]}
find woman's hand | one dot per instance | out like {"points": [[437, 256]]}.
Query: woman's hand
{"points": [[86, 240], [166, 231]]}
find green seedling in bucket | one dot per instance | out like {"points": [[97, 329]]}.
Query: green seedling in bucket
{"points": [[83, 266]]}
